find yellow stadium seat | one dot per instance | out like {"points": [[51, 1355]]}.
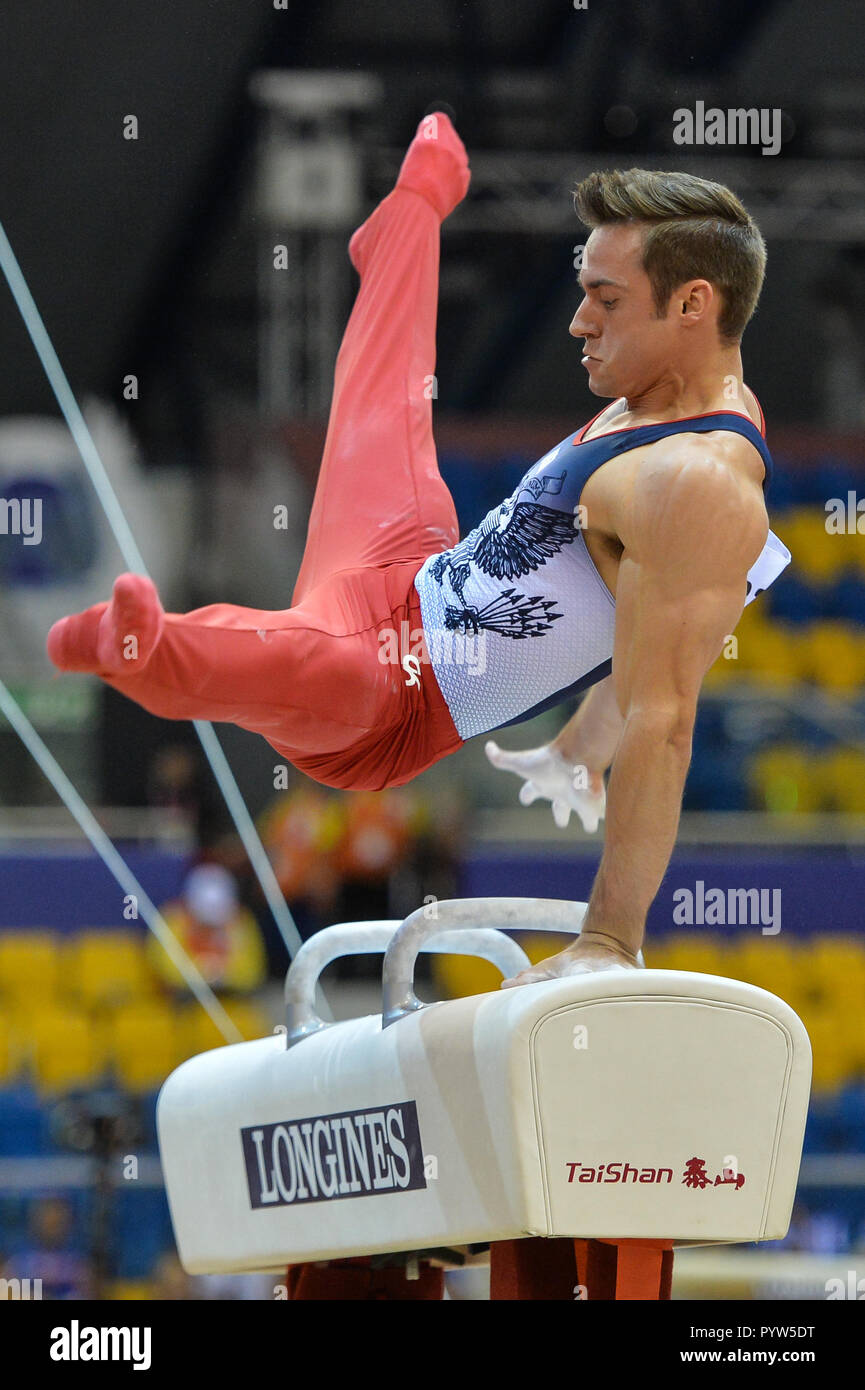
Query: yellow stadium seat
{"points": [[657, 954], [105, 967], [8, 1059], [820, 555], [852, 1012], [457, 977], [784, 779], [834, 1044], [253, 1020], [834, 655], [143, 1044], [725, 669], [753, 624], [63, 1048], [29, 967], [758, 649], [835, 969], [850, 541], [198, 1032], [767, 963], [706, 953], [752, 619], [127, 1290], [842, 775], [771, 653], [854, 547], [841, 948]]}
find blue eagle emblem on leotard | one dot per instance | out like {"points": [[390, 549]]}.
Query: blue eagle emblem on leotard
{"points": [[513, 541]]}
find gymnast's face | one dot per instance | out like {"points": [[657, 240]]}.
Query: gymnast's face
{"points": [[629, 350]]}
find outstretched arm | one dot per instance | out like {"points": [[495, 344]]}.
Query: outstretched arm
{"points": [[692, 531], [569, 771], [591, 736]]}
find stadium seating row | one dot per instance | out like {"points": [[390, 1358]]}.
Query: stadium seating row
{"points": [[827, 653], [92, 967], [71, 1014], [64, 1048], [790, 777], [823, 538]]}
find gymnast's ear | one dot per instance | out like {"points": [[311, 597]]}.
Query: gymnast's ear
{"points": [[694, 301]]}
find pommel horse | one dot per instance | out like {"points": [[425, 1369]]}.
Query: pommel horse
{"points": [[606, 1117]]}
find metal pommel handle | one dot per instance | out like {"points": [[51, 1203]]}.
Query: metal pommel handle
{"points": [[362, 938], [463, 915]]}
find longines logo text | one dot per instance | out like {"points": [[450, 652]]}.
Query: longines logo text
{"points": [[359, 1153]]}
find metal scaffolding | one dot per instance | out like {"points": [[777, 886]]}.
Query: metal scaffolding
{"points": [[792, 200], [309, 195]]}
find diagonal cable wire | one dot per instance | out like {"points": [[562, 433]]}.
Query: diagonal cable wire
{"points": [[115, 864], [133, 558]]}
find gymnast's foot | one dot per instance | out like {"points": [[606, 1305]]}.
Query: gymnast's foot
{"points": [[114, 637], [436, 166], [585, 957]]}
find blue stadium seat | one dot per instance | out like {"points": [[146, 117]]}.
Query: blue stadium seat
{"points": [[851, 1113], [809, 482], [783, 490], [834, 477], [821, 1129], [847, 598], [716, 782], [142, 1230], [710, 726], [22, 1123], [148, 1115], [790, 600]]}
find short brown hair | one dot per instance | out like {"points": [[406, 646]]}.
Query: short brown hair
{"points": [[695, 230]]}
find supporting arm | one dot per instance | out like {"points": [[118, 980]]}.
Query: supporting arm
{"points": [[694, 526]]}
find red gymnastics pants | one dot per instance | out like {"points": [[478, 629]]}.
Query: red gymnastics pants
{"points": [[309, 678]]}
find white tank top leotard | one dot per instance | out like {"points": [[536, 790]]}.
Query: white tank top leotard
{"points": [[516, 617]]}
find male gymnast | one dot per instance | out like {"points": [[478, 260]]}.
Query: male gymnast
{"points": [[618, 565]]}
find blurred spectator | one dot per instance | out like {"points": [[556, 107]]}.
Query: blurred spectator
{"points": [[52, 1256], [176, 782], [828, 1234], [815, 1232], [236, 1287], [219, 934], [301, 831], [358, 855], [378, 834], [173, 781], [171, 1284], [430, 870]]}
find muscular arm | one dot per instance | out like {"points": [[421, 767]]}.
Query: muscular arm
{"points": [[691, 530], [591, 736]]}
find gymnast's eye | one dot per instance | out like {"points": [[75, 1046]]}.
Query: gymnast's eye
{"points": [[608, 303]]}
